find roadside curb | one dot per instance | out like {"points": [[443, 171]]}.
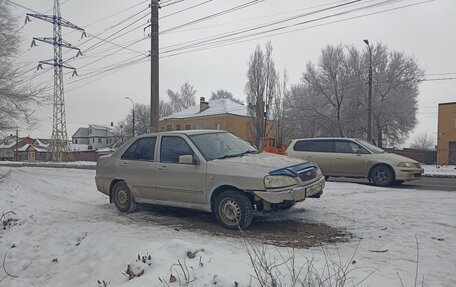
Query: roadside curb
{"points": [[49, 165], [439, 175]]}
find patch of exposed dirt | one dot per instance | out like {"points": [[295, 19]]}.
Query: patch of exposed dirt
{"points": [[266, 229]]}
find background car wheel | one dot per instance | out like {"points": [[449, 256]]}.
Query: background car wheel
{"points": [[122, 197], [382, 175], [233, 208]]}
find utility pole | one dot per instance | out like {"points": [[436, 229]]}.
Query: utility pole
{"points": [[59, 145], [154, 68], [369, 98]]}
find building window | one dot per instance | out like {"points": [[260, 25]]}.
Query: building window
{"points": [[75, 141], [188, 127], [90, 131], [100, 140], [93, 140], [199, 126], [217, 126], [178, 127], [169, 127]]}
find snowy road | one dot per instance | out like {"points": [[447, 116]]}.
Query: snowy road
{"points": [[67, 234]]}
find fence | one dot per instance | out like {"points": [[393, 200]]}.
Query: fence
{"points": [[441, 156], [422, 156]]}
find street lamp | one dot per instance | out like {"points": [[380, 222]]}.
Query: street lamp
{"points": [[128, 98], [369, 98]]}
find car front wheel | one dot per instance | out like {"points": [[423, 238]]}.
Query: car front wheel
{"points": [[382, 175], [122, 198], [233, 210]]}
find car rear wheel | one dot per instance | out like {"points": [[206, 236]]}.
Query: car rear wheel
{"points": [[382, 175], [233, 210], [122, 198]]}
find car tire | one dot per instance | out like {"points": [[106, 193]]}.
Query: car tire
{"points": [[122, 197], [382, 175], [233, 210]]}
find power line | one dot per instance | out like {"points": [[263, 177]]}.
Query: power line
{"points": [[438, 79], [213, 39], [224, 12], [185, 9], [239, 40]]}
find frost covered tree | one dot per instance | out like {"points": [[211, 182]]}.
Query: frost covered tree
{"points": [[183, 98], [142, 121], [222, 94], [165, 109], [261, 90], [336, 93], [423, 141], [16, 97]]}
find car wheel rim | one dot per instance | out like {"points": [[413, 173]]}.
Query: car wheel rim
{"points": [[230, 211], [122, 197], [382, 176]]}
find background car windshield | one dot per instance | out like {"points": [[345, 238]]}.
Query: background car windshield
{"points": [[371, 147], [218, 145]]}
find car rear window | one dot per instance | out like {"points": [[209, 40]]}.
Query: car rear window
{"points": [[314, 146]]}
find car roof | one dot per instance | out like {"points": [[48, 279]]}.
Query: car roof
{"points": [[184, 132], [325, 138]]}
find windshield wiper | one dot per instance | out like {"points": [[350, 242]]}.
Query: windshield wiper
{"points": [[237, 154], [229, 155], [250, 152]]}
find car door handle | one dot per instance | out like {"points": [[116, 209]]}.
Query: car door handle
{"points": [[124, 164], [162, 167]]}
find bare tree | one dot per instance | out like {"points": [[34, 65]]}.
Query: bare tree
{"points": [[423, 140], [142, 121], [334, 94], [182, 99], [16, 98], [329, 82], [280, 110], [165, 109], [261, 89], [222, 94]]}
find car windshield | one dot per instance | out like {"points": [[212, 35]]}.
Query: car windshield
{"points": [[372, 148], [221, 145]]}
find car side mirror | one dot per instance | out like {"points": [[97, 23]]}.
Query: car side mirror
{"points": [[186, 159], [358, 152]]}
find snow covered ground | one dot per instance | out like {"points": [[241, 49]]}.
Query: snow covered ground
{"points": [[436, 170], [67, 234]]}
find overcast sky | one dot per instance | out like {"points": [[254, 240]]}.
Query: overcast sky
{"points": [[424, 29]]}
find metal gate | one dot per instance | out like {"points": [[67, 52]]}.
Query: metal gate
{"points": [[452, 153]]}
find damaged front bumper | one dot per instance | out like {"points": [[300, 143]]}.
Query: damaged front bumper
{"points": [[295, 193]]}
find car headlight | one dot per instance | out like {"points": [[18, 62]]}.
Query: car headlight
{"points": [[277, 181], [407, 164]]}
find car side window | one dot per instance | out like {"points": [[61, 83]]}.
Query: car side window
{"points": [[348, 147], [172, 147], [142, 149], [314, 146]]}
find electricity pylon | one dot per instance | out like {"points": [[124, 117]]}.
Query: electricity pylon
{"points": [[59, 146]]}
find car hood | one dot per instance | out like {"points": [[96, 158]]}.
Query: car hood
{"points": [[261, 162], [393, 158]]}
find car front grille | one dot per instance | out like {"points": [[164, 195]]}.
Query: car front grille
{"points": [[308, 174]]}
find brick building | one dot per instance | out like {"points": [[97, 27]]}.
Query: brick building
{"points": [[221, 114], [446, 139]]}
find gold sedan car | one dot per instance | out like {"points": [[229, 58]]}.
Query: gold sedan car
{"points": [[355, 158], [212, 171]]}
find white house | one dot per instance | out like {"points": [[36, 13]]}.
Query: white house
{"points": [[95, 137]]}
